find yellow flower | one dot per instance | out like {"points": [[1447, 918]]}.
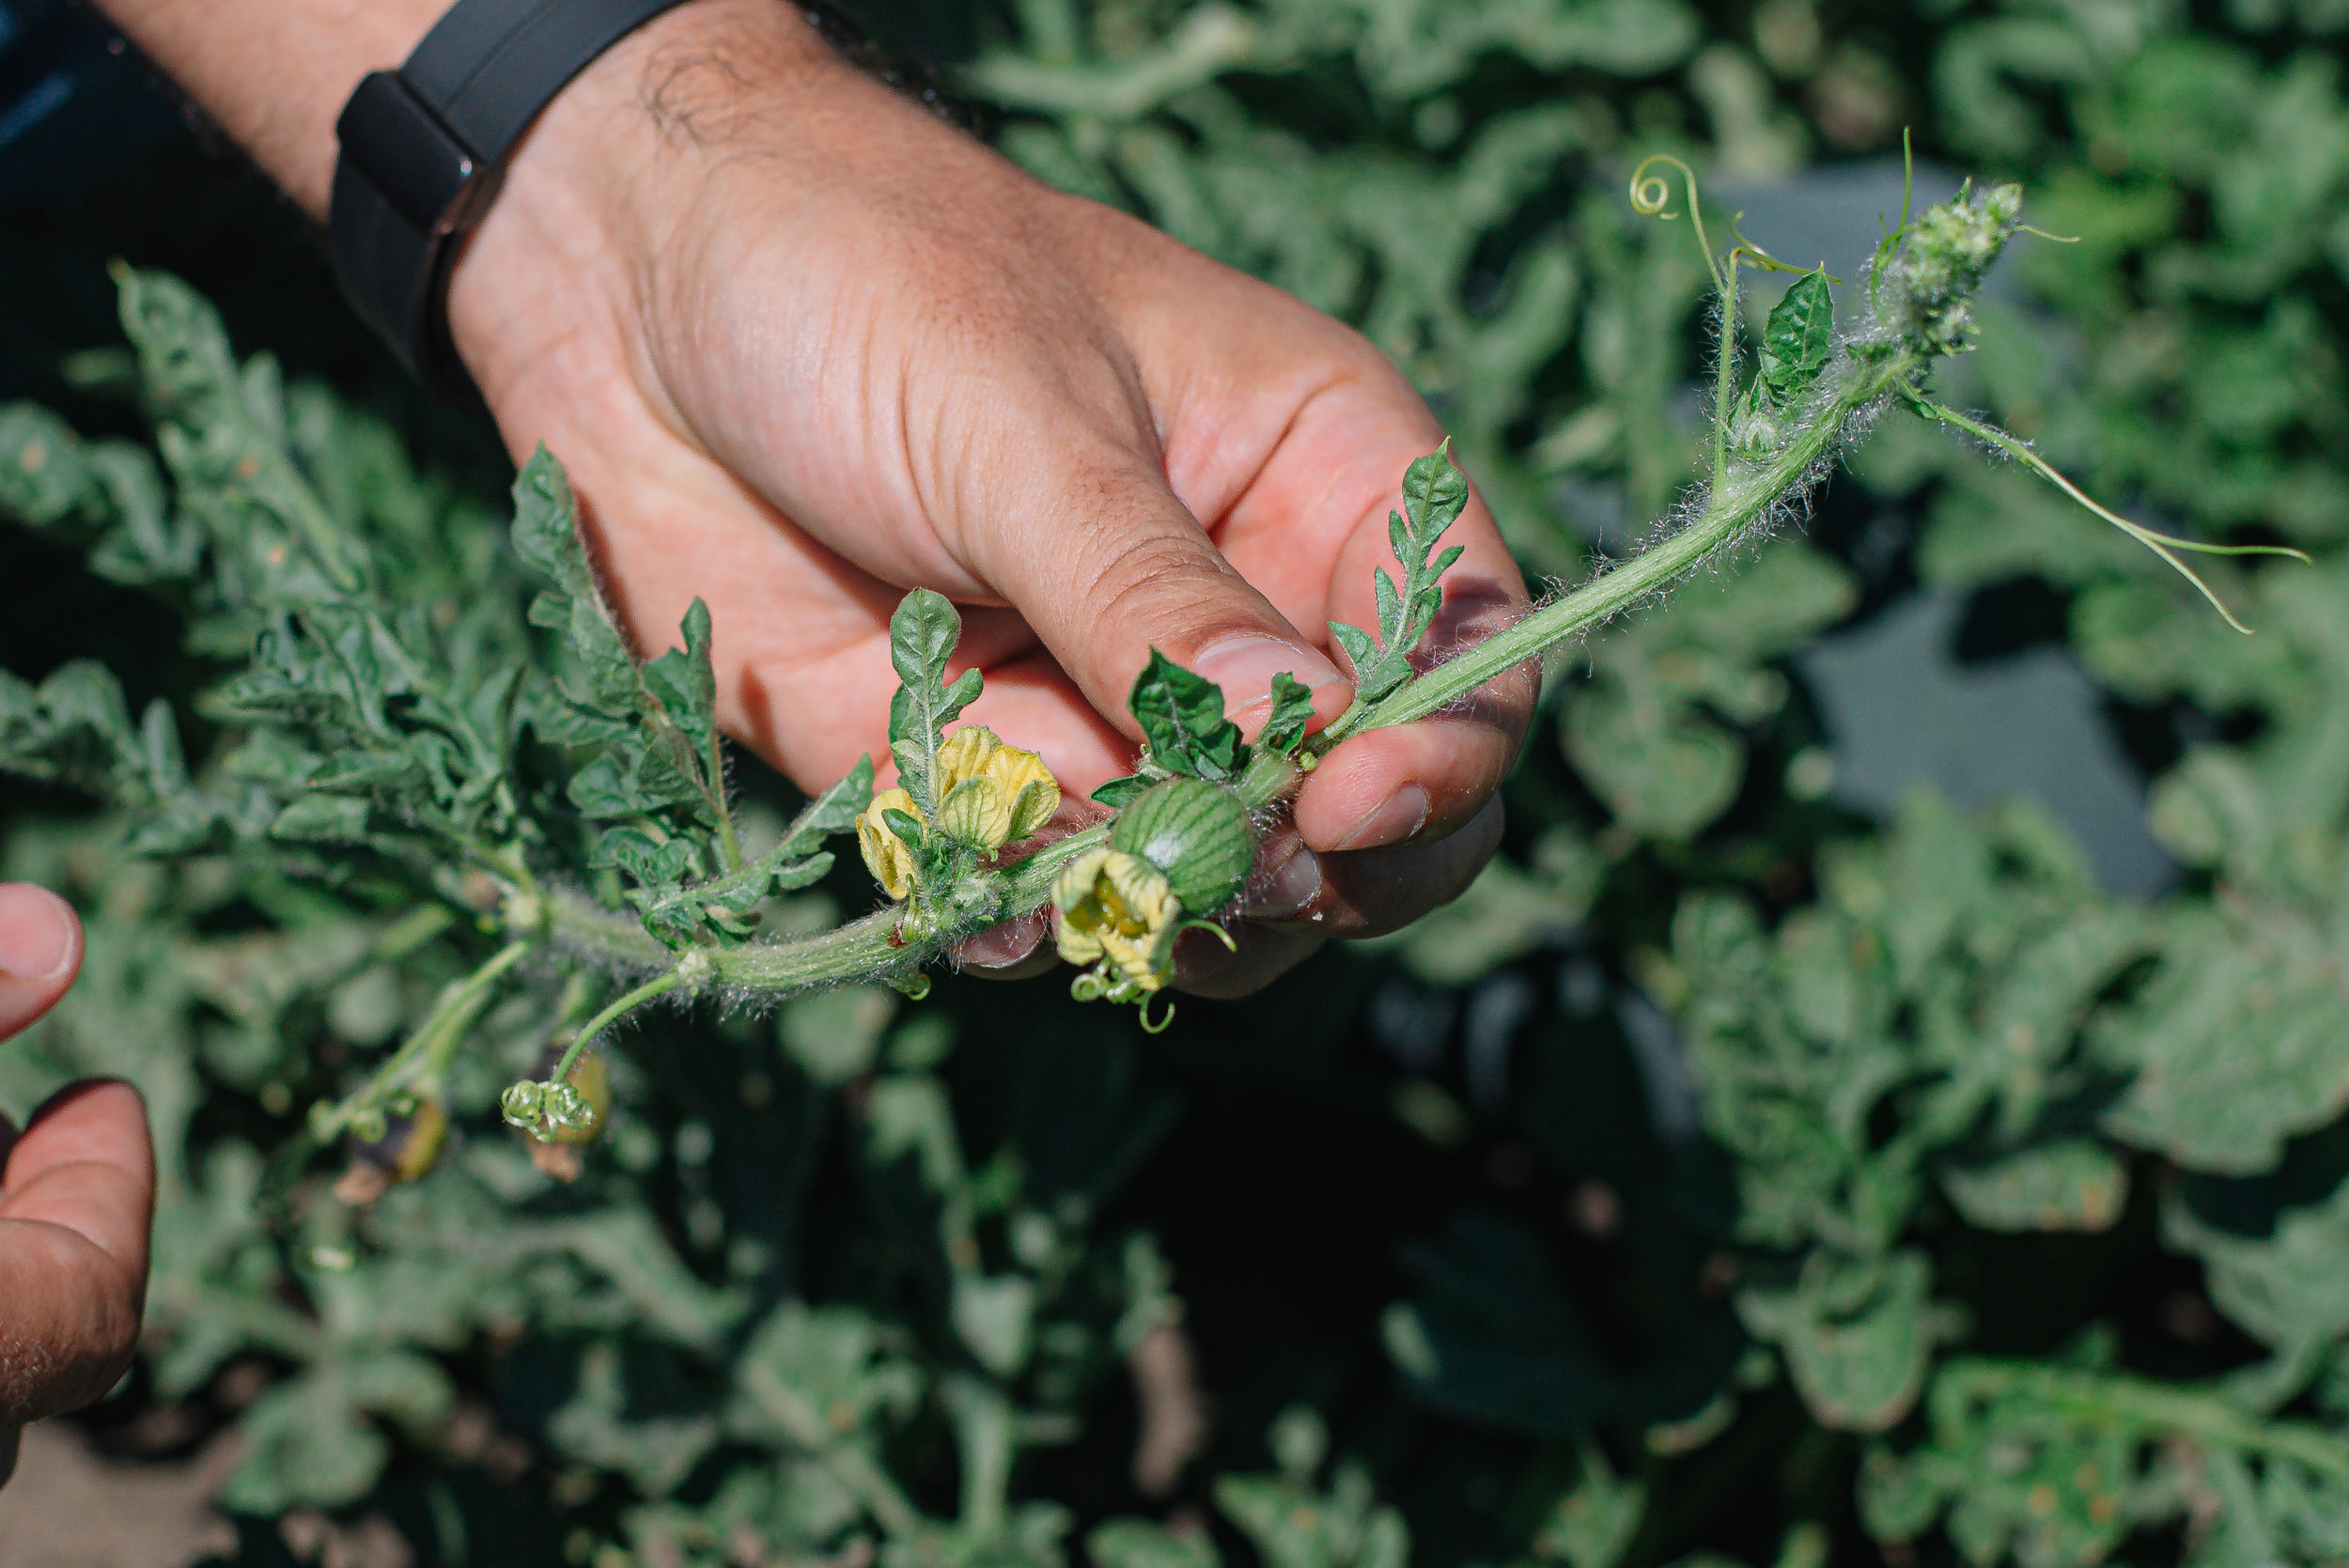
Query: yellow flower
{"points": [[1119, 907], [886, 855], [990, 794]]}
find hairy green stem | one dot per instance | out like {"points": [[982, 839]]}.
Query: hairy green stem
{"points": [[881, 947], [1724, 372], [619, 1009], [1735, 501], [454, 1012], [715, 760], [873, 948]]}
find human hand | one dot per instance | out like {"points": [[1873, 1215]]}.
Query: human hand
{"points": [[801, 346], [77, 1189]]}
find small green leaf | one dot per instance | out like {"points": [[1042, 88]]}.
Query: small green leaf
{"points": [[2074, 1184], [1146, 1543], [546, 537], [923, 635], [1360, 650], [684, 682], [801, 874], [1117, 792], [922, 638], [1435, 493], [1857, 1334], [1798, 339], [631, 781], [660, 866], [834, 811], [1292, 710], [1182, 715]]}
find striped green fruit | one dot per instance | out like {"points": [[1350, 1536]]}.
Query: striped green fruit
{"points": [[1197, 833]]}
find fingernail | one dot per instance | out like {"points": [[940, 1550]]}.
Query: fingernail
{"points": [[1287, 891], [1245, 666], [998, 947], [37, 932], [1392, 821]]}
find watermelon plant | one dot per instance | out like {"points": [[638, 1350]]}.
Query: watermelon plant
{"points": [[1799, 1206]]}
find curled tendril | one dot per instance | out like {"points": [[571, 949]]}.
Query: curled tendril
{"points": [[1164, 1021], [1652, 192], [1651, 197]]}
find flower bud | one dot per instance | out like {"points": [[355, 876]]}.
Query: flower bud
{"points": [[1197, 834], [1928, 297], [571, 1112]]}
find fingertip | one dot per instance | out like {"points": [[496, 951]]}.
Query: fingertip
{"points": [[100, 1120], [1015, 950], [1245, 667], [1410, 783], [1204, 967], [41, 952], [1374, 892]]}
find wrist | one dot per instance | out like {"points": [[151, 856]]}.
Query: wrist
{"points": [[598, 196], [275, 77]]}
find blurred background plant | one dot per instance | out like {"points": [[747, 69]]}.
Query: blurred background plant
{"points": [[1887, 1101]]}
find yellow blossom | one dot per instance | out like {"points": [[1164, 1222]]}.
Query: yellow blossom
{"points": [[886, 855], [990, 794], [1117, 906]]}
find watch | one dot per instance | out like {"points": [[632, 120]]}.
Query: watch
{"points": [[424, 152]]}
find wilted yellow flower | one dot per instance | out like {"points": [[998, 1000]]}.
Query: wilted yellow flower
{"points": [[886, 855], [1117, 906], [990, 794]]}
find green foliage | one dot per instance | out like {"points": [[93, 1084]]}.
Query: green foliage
{"points": [[922, 638], [1766, 1182], [1182, 720], [1435, 492]]}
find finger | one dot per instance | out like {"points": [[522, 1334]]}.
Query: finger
{"points": [[1105, 564], [40, 951], [1206, 968], [801, 638], [74, 1210], [1423, 780], [1018, 949], [1370, 893], [85, 1162], [1302, 512]]}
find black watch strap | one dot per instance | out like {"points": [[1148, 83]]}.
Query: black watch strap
{"points": [[424, 149]]}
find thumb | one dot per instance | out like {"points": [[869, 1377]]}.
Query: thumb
{"points": [[1114, 565], [41, 949]]}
